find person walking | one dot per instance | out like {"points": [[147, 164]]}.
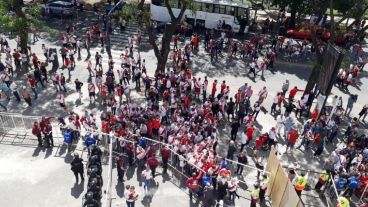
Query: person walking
{"points": [[147, 177], [120, 167], [256, 109], [232, 186], [293, 92], [234, 130], [77, 167], [27, 96], [292, 137], [350, 103], [14, 88], [254, 196], [193, 185], [32, 83], [285, 87], [263, 188], [78, 88], [362, 113], [165, 154], [36, 130], [243, 160], [231, 150], [252, 69], [262, 95], [152, 163], [61, 99], [62, 82]]}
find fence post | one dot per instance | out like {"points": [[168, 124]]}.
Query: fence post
{"points": [[363, 194], [109, 175]]}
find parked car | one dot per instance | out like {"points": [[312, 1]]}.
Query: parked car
{"points": [[58, 8], [306, 34]]}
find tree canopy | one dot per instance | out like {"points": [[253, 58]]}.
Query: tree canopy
{"points": [[16, 17]]}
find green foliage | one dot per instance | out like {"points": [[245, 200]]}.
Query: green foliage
{"points": [[9, 21]]}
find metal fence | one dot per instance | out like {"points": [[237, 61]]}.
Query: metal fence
{"points": [[178, 164], [18, 124], [331, 195]]}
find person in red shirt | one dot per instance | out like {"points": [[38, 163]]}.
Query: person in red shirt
{"points": [[119, 92], [186, 101], [223, 86], [249, 132], [35, 60], [213, 92], [155, 126], [165, 154], [36, 130], [152, 162], [32, 83], [293, 93], [193, 185], [292, 136], [16, 57]]}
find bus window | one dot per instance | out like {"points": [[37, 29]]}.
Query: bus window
{"points": [[198, 6], [209, 8], [241, 12], [216, 8], [222, 9], [157, 2], [230, 10]]}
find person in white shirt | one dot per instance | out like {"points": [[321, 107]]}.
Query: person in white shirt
{"points": [[147, 176], [262, 95], [14, 88], [243, 140], [280, 120], [61, 100], [132, 196]]}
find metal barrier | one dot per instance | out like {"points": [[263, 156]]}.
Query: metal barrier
{"points": [[177, 162], [18, 124], [331, 195]]}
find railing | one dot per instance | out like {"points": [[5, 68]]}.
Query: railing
{"points": [[20, 123]]}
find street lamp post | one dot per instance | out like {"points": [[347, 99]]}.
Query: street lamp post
{"points": [[108, 46]]}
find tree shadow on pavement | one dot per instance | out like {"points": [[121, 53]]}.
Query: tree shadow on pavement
{"points": [[77, 189]]}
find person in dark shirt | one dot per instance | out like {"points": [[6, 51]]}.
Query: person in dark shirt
{"points": [[230, 109], [234, 130]]}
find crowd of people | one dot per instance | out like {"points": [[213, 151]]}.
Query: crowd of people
{"points": [[178, 123]]}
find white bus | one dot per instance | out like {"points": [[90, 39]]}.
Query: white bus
{"points": [[208, 13]]}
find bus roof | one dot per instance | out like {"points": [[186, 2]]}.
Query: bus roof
{"points": [[237, 3]]}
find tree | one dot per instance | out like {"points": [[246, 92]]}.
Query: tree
{"points": [[17, 18], [355, 10], [143, 17]]}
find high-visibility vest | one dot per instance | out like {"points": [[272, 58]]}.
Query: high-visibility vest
{"points": [[255, 194], [344, 202], [300, 183], [324, 177], [264, 183]]}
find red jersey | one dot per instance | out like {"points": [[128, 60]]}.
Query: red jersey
{"points": [[249, 132], [293, 136]]}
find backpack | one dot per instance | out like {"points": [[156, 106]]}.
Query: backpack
{"points": [[68, 136]]}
